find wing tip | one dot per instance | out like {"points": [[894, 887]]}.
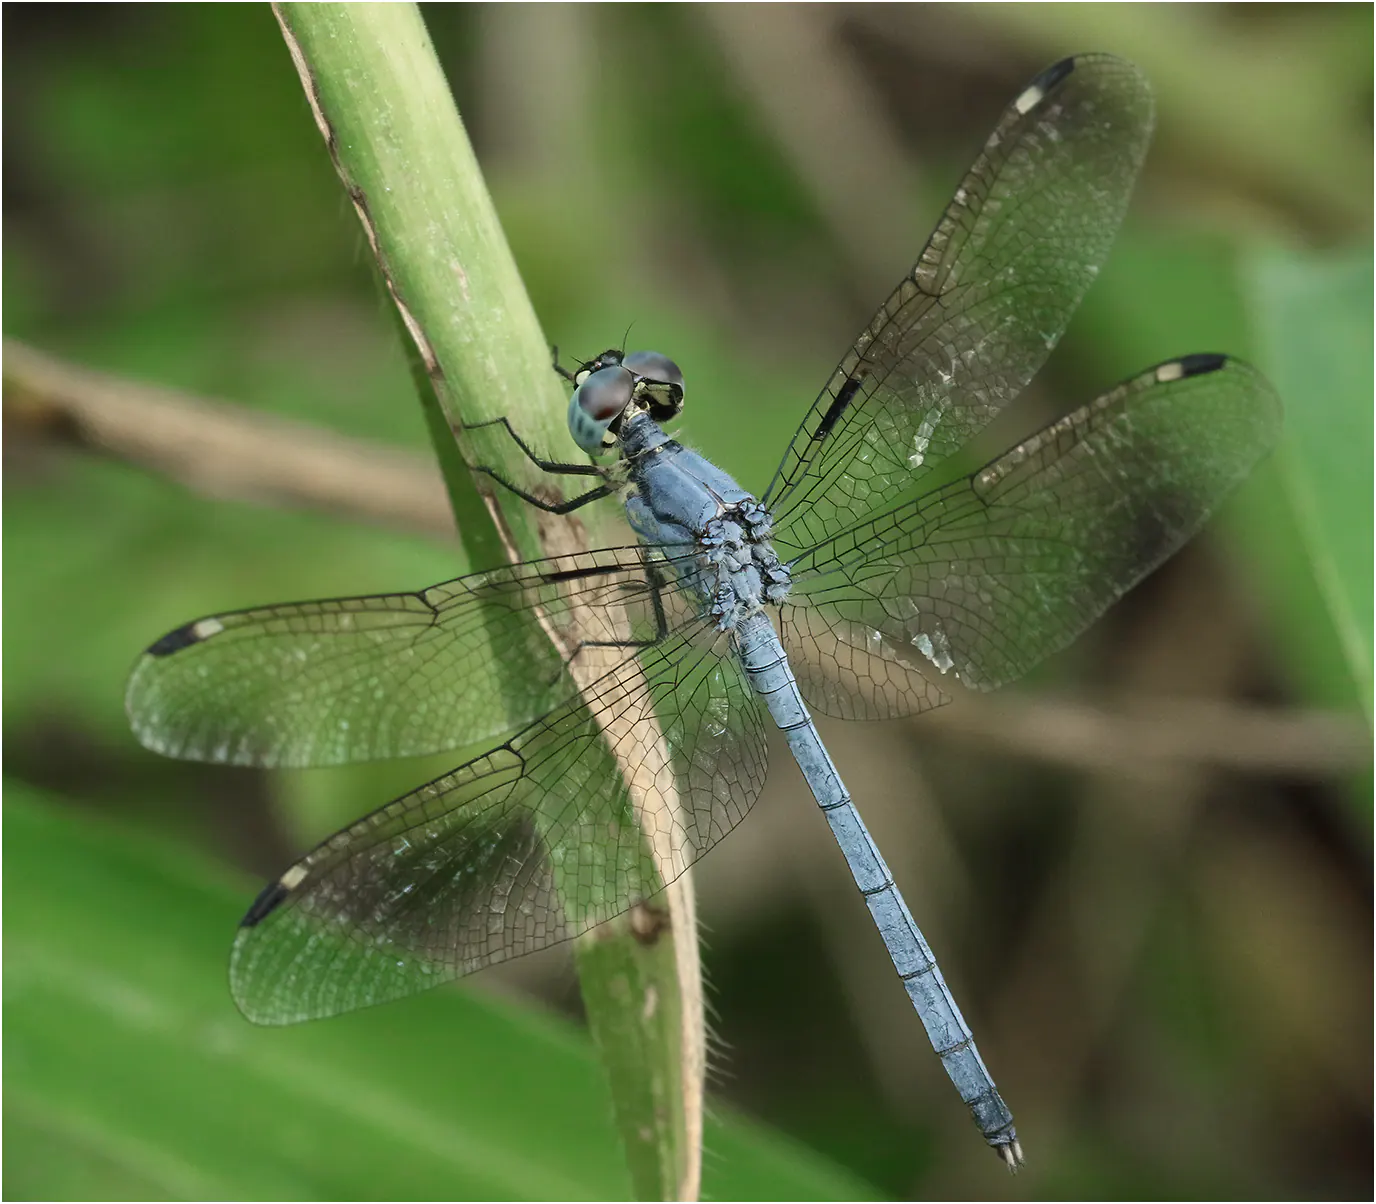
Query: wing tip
{"points": [[1054, 74], [269, 899], [1201, 363], [1266, 405], [1042, 85], [185, 636]]}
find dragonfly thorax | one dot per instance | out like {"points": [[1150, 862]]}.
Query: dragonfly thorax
{"points": [[740, 570], [614, 387], [714, 534]]}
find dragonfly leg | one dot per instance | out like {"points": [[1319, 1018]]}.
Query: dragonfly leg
{"points": [[558, 467], [655, 583], [555, 467], [565, 507], [559, 368], [544, 465]]}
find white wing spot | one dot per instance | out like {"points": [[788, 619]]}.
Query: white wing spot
{"points": [[1169, 372], [206, 628], [294, 877], [1030, 99]]}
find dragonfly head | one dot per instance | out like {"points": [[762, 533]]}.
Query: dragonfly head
{"points": [[614, 387]]}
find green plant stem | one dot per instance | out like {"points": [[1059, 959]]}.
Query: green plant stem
{"points": [[384, 109]]}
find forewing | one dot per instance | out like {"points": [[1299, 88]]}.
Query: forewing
{"points": [[993, 290], [980, 580], [534, 842], [391, 675]]}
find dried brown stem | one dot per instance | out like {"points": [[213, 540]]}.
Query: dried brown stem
{"points": [[220, 449], [1139, 733]]}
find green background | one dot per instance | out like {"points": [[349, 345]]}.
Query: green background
{"points": [[1154, 910]]}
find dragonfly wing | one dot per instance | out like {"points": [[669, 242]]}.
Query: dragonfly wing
{"points": [[980, 580], [993, 290], [391, 675], [534, 842]]}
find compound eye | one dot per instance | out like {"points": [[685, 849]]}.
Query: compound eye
{"points": [[650, 365], [660, 381], [598, 402], [605, 393]]}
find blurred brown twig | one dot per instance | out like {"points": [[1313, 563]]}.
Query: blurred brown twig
{"points": [[1140, 732], [220, 449]]}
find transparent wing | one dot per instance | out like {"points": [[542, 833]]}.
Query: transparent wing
{"points": [[980, 580], [532, 843], [983, 306], [392, 675]]}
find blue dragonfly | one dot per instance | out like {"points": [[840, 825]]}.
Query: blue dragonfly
{"points": [[862, 583]]}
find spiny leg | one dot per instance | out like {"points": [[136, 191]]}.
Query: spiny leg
{"points": [[655, 586], [566, 507], [559, 368], [554, 467]]}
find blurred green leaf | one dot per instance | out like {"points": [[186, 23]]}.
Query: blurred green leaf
{"points": [[1314, 318], [129, 1072]]}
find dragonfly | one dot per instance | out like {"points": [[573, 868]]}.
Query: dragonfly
{"points": [[623, 695]]}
